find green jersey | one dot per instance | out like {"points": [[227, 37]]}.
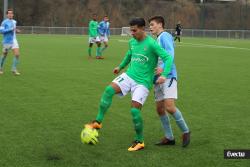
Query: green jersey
{"points": [[93, 28], [143, 58]]}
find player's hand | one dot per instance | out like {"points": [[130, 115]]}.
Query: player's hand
{"points": [[116, 70], [158, 71], [18, 31], [160, 80]]}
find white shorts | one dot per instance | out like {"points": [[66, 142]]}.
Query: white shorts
{"points": [[167, 90], [139, 92], [94, 39], [7, 47], [104, 38]]}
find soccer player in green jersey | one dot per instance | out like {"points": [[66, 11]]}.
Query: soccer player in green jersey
{"points": [[142, 57], [94, 38]]}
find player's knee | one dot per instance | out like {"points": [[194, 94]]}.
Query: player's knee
{"points": [[170, 108], [109, 91], [160, 110]]}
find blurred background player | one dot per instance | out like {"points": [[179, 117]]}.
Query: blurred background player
{"points": [[166, 93], [178, 31], [104, 32], [142, 58], [94, 38], [8, 29]]}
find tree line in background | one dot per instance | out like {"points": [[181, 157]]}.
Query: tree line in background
{"points": [[77, 13]]}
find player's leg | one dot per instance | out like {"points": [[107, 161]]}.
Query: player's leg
{"points": [[180, 121], [90, 49], [120, 85], [171, 96], [91, 42], [106, 100], [168, 139], [139, 96], [105, 42], [3, 57], [98, 49], [15, 59], [175, 36]]}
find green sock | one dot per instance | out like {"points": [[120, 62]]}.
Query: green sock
{"points": [[103, 48], [89, 51], [105, 103], [138, 123], [98, 51]]}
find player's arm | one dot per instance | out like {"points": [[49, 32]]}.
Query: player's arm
{"points": [[167, 44], [5, 28], [108, 32], [167, 60], [100, 29], [126, 60]]}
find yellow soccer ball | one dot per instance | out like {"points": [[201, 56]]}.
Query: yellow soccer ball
{"points": [[89, 136]]}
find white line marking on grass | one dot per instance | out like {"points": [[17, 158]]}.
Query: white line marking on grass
{"points": [[122, 40], [212, 46]]}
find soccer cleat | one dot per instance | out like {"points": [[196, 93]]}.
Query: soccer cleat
{"points": [[137, 145], [15, 72], [94, 124], [186, 139], [99, 57], [1, 71], [165, 141]]}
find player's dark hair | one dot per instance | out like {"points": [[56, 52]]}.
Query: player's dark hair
{"points": [[157, 19], [9, 10], [138, 21]]}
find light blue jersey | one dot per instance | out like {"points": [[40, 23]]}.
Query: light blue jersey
{"points": [[103, 28], [108, 30], [166, 41], [7, 28]]}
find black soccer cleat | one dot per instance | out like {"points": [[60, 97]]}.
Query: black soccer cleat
{"points": [[165, 141], [186, 139]]}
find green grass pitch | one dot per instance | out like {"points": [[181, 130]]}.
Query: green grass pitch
{"points": [[43, 111]]}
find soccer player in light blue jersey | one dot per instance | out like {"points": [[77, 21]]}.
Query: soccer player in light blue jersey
{"points": [[166, 93], [8, 29], [104, 32]]}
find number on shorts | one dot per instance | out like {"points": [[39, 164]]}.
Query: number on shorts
{"points": [[120, 79]]}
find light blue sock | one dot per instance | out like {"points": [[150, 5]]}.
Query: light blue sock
{"points": [[167, 127], [14, 64], [180, 121], [2, 59]]}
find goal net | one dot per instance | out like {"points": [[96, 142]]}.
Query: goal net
{"points": [[125, 31]]}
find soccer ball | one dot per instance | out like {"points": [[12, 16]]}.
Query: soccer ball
{"points": [[89, 136]]}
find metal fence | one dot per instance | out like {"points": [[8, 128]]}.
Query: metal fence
{"points": [[234, 34]]}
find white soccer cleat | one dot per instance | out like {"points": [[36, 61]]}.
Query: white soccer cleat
{"points": [[15, 72], [1, 71]]}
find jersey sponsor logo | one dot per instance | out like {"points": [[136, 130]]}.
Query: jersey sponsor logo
{"points": [[139, 58]]}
